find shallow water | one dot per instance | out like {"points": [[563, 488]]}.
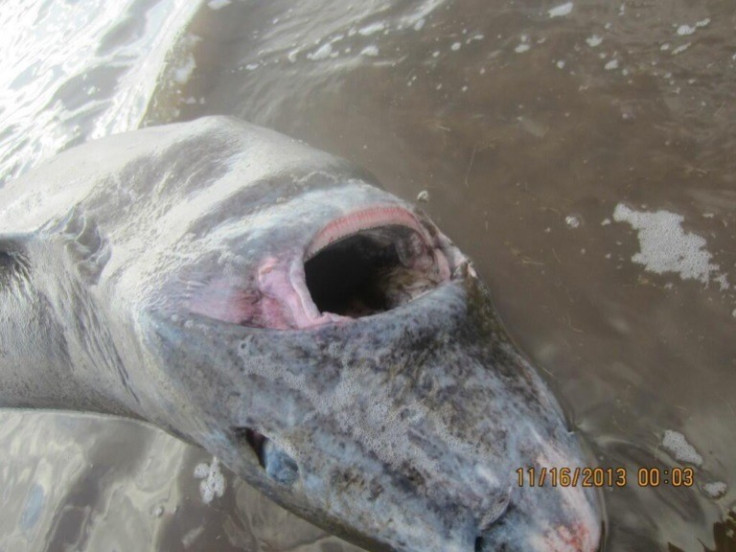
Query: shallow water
{"points": [[581, 153]]}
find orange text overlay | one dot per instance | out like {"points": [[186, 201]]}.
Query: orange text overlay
{"points": [[605, 477]]}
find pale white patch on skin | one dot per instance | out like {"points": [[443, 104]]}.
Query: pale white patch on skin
{"points": [[487, 475]]}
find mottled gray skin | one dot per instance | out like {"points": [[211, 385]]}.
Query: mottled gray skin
{"points": [[402, 430]]}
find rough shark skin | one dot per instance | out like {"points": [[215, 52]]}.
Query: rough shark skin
{"points": [[172, 275]]}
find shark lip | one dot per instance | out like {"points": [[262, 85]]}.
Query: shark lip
{"points": [[361, 220]]}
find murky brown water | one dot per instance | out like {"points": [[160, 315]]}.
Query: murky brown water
{"points": [[540, 130]]}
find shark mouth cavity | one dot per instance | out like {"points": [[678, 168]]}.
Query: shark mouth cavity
{"points": [[372, 261]]}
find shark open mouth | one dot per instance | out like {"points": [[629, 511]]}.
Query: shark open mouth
{"points": [[372, 261], [366, 262]]}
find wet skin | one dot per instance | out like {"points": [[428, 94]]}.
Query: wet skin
{"points": [[271, 304]]}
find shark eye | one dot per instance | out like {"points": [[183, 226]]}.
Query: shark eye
{"points": [[371, 271], [278, 465]]}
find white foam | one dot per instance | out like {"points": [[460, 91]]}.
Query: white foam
{"points": [[371, 51], [665, 246], [372, 28], [424, 9], [572, 221], [561, 10], [191, 536], [682, 451], [487, 475], [213, 482], [715, 489], [613, 64], [455, 46], [594, 40], [680, 49], [686, 30], [521, 48], [323, 52], [185, 70]]}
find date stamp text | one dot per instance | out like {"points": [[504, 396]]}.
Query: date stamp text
{"points": [[604, 477]]}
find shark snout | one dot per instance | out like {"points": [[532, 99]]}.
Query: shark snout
{"points": [[546, 519]]}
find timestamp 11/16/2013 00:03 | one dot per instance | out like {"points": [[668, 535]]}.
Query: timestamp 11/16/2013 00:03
{"points": [[604, 477]]}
